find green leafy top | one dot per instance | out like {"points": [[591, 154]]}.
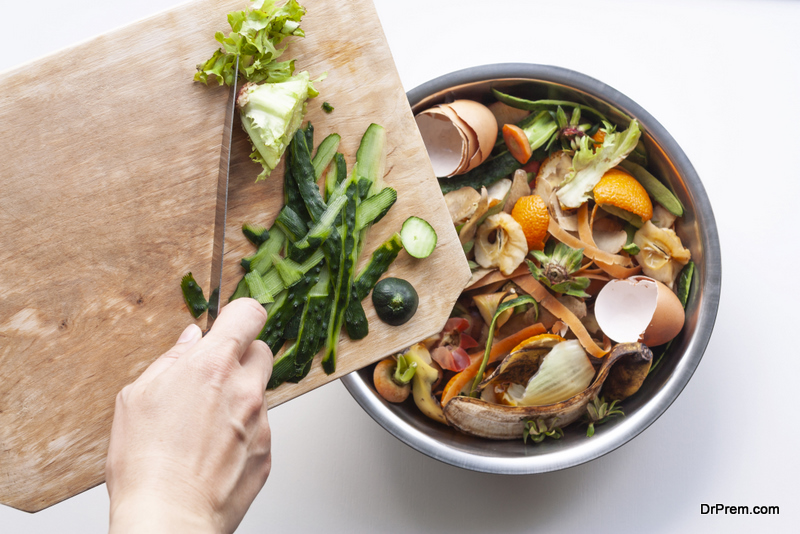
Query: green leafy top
{"points": [[685, 283], [256, 34], [557, 265], [539, 429], [570, 131], [598, 412]]}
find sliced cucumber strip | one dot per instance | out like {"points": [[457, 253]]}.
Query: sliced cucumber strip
{"points": [[291, 223], [241, 290], [288, 270], [375, 207], [258, 290], [325, 153], [193, 296], [255, 233], [418, 236], [273, 282]]}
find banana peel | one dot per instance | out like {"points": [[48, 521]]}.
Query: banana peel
{"points": [[484, 419]]}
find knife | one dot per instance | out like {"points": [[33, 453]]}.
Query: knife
{"points": [[221, 212]]}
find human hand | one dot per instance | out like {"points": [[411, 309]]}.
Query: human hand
{"points": [[190, 441]]}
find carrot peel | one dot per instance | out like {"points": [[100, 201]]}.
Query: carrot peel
{"points": [[517, 143], [531, 286]]}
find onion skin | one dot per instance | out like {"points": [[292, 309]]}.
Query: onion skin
{"points": [[519, 366], [563, 373], [480, 418]]}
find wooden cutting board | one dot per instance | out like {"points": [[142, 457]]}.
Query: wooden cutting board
{"points": [[108, 180]]}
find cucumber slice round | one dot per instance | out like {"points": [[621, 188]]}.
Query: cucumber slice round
{"points": [[418, 236]]}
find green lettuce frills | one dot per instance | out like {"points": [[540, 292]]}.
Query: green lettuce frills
{"points": [[256, 35]]}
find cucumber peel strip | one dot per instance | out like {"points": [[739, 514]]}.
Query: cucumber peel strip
{"points": [[539, 105], [258, 290], [375, 207], [325, 154], [193, 296]]}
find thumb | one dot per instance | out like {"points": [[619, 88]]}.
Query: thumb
{"points": [[191, 335]]}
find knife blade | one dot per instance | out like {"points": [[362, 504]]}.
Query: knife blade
{"points": [[221, 212]]}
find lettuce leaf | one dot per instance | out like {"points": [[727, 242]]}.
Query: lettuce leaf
{"points": [[271, 113], [589, 165], [256, 35]]}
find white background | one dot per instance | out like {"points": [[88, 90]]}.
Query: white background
{"points": [[723, 78]]}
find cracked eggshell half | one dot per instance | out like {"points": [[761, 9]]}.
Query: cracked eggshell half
{"points": [[639, 309], [458, 136], [443, 140], [480, 119], [471, 157]]}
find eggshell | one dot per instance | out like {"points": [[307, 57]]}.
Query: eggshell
{"points": [[639, 309], [668, 318], [481, 119], [458, 136], [443, 140], [474, 161], [624, 308], [469, 161]]}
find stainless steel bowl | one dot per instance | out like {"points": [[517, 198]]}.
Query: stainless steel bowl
{"points": [[697, 229]]}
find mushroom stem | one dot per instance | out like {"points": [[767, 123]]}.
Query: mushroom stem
{"points": [[385, 384]]}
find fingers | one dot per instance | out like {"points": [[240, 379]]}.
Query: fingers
{"points": [[257, 361], [191, 335], [238, 324]]}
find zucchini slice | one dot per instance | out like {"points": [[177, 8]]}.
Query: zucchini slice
{"points": [[395, 301], [419, 237]]}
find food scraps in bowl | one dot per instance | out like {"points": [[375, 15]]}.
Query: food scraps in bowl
{"points": [[579, 277]]}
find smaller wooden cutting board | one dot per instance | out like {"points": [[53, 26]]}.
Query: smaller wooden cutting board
{"points": [[109, 181]]}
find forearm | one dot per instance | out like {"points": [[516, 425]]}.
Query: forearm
{"points": [[154, 516]]}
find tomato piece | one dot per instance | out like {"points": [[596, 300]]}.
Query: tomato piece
{"points": [[451, 358], [455, 323], [467, 342]]}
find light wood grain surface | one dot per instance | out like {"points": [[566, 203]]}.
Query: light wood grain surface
{"points": [[108, 192]]}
